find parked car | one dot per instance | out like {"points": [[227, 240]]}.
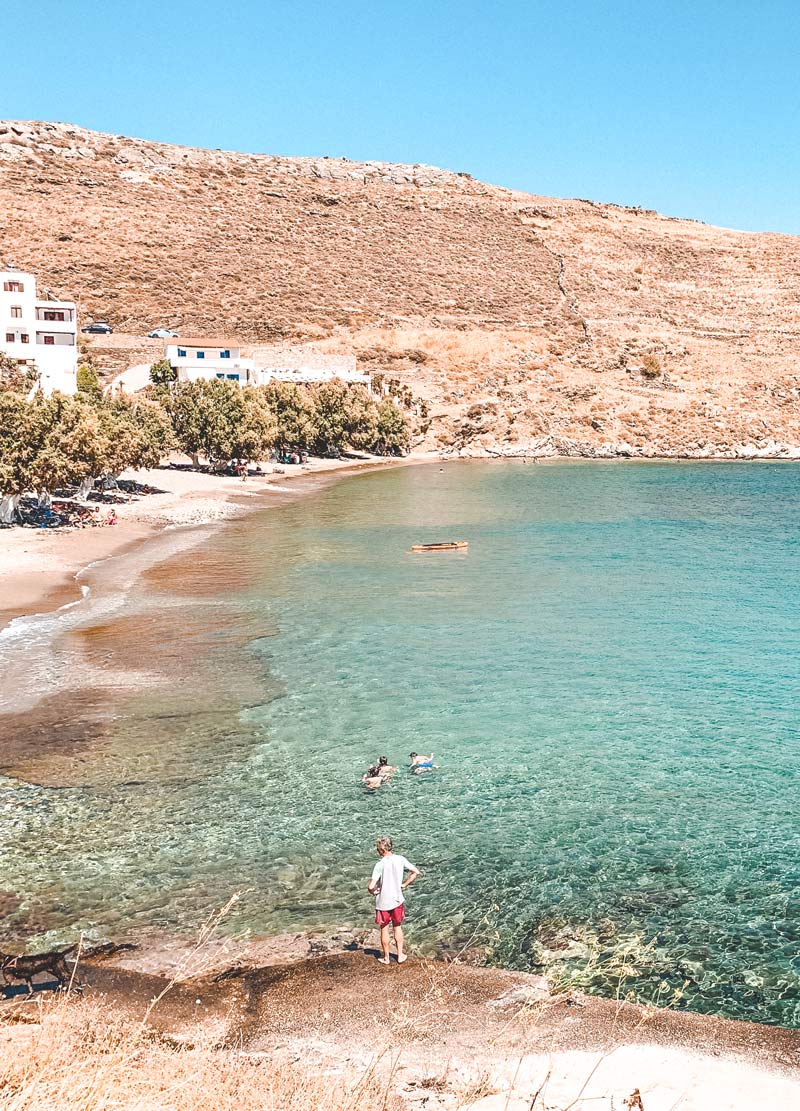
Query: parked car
{"points": [[99, 328], [161, 333]]}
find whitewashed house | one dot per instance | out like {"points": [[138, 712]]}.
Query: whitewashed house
{"points": [[192, 359], [38, 333], [198, 358]]}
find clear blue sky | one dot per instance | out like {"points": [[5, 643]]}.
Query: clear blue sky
{"points": [[690, 108]]}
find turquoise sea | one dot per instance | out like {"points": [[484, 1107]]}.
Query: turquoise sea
{"points": [[608, 679]]}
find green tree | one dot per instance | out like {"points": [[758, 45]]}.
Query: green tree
{"points": [[258, 429], [48, 442], [88, 382], [162, 373], [77, 445], [221, 421], [20, 379], [295, 415], [343, 415], [139, 431], [392, 432], [24, 426]]}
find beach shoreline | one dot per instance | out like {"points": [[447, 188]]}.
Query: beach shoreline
{"points": [[40, 569]]}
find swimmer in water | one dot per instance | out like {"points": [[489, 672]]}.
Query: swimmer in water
{"points": [[385, 768], [421, 763], [373, 779]]}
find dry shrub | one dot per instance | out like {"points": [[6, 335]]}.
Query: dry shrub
{"points": [[418, 345], [651, 366], [79, 1056]]}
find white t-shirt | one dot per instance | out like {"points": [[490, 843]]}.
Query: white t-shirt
{"points": [[388, 873]]}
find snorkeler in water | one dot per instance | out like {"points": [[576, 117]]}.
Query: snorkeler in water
{"points": [[421, 763]]}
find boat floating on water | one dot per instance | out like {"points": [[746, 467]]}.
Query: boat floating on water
{"points": [[446, 546]]}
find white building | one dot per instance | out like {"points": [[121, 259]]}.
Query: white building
{"points": [[38, 333], [197, 358], [205, 358]]}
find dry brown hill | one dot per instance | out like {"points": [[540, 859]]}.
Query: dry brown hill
{"points": [[528, 323]]}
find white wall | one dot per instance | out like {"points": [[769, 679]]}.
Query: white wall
{"points": [[57, 363]]}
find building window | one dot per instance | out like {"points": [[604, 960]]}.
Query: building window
{"points": [[52, 314], [13, 287], [201, 354], [49, 340], [221, 376], [181, 353], [23, 338], [232, 377], [10, 337], [16, 311], [224, 354]]}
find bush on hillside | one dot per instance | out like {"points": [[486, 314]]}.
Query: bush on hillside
{"points": [[651, 367], [162, 373], [87, 381]]}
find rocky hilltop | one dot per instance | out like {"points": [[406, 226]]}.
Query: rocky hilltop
{"points": [[528, 324]]}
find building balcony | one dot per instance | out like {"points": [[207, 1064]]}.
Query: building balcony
{"points": [[56, 314]]}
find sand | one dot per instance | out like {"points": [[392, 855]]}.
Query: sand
{"points": [[38, 567]]}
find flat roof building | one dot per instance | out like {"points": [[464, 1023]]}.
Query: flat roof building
{"points": [[215, 358], [208, 358], [42, 334]]}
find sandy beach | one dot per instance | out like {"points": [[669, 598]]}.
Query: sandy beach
{"points": [[38, 567]]}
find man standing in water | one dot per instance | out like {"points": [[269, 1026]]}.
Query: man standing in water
{"points": [[387, 884]]}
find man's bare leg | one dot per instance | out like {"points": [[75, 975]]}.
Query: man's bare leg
{"points": [[384, 944], [399, 942]]}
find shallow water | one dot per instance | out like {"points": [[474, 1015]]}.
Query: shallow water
{"points": [[608, 680]]}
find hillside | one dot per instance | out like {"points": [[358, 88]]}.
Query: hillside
{"points": [[527, 323]]}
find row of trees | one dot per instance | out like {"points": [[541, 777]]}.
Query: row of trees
{"points": [[50, 442], [222, 421]]}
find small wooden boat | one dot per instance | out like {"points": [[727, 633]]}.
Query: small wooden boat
{"points": [[447, 546]]}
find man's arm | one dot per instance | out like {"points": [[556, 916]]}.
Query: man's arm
{"points": [[412, 875], [375, 882]]}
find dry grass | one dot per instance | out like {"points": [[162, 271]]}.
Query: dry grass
{"points": [[75, 1055]]}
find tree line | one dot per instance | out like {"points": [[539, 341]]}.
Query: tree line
{"points": [[47, 443]]}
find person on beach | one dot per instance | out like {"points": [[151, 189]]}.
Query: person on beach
{"points": [[388, 884], [385, 768], [421, 763], [373, 779]]}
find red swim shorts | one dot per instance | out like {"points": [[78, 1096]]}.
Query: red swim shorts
{"points": [[395, 916]]}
